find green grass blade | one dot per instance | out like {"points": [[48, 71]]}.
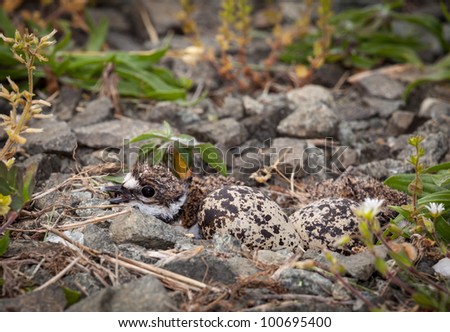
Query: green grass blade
{"points": [[6, 24], [4, 243], [97, 34]]}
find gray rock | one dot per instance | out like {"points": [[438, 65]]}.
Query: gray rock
{"points": [[311, 94], [56, 198], [350, 106], [246, 160], [340, 293], [443, 267], [203, 267], [347, 133], [260, 127], [291, 152], [98, 239], [226, 244], [145, 294], [112, 133], [378, 85], [116, 19], [305, 282], [55, 138], [123, 41], [37, 276], [310, 121], [146, 231], [87, 207], [203, 73], [45, 165], [163, 14], [82, 282], [136, 252], [95, 111], [328, 75], [241, 266], [270, 257], [360, 266], [252, 106], [232, 107], [382, 169], [436, 109], [264, 126], [350, 157], [74, 234], [49, 299], [177, 115], [64, 107], [227, 132], [382, 106], [400, 122]]}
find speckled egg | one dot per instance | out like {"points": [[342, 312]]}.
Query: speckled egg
{"points": [[248, 215], [321, 223]]}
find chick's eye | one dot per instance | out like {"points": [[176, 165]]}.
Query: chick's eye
{"points": [[148, 191]]}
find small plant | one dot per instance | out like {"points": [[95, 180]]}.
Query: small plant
{"points": [[26, 49], [424, 224], [363, 37], [426, 186], [177, 151], [188, 24], [137, 72], [322, 45], [424, 290], [235, 31], [16, 186]]}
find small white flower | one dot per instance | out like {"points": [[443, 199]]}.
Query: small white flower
{"points": [[369, 208], [435, 209]]}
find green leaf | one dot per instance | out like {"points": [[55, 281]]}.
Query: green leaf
{"points": [[145, 149], [402, 181], [97, 34], [150, 85], [424, 300], [5, 188], [401, 259], [437, 197], [28, 182], [4, 243], [428, 22], [437, 168], [12, 176], [114, 178], [158, 155], [442, 228], [159, 134], [381, 266], [2, 282], [140, 59], [212, 156], [167, 128], [444, 10], [6, 24], [401, 211], [441, 179], [72, 296], [364, 62]]}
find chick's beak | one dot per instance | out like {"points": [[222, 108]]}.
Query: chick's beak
{"points": [[123, 195]]}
